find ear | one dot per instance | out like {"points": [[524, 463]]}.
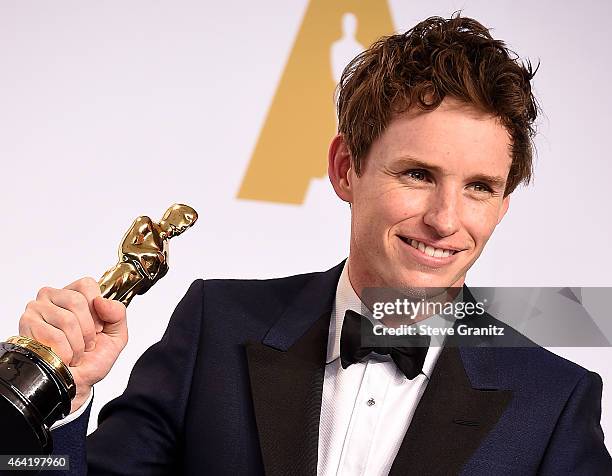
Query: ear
{"points": [[339, 168], [503, 209]]}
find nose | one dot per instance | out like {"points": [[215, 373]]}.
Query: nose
{"points": [[442, 213]]}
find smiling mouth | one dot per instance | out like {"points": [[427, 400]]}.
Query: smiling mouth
{"points": [[428, 249]]}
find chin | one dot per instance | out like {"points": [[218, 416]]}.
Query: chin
{"points": [[425, 280]]}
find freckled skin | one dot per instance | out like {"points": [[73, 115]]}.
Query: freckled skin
{"points": [[447, 202]]}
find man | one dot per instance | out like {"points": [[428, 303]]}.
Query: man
{"points": [[254, 376]]}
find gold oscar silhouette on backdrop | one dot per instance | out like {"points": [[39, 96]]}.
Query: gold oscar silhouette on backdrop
{"points": [[36, 387], [292, 145]]}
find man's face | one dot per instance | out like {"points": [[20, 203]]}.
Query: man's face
{"points": [[434, 180]]}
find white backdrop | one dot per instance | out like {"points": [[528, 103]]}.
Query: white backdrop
{"points": [[114, 109]]}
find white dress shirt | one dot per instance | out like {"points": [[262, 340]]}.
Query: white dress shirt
{"points": [[366, 408]]}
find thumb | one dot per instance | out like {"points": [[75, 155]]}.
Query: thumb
{"points": [[112, 313]]}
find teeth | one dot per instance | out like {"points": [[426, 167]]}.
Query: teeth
{"points": [[430, 250]]}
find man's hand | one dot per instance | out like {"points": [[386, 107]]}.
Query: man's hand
{"points": [[85, 330]]}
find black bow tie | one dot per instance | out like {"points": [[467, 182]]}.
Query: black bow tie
{"points": [[356, 328]]}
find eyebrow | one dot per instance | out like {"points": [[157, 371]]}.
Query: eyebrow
{"points": [[409, 161]]}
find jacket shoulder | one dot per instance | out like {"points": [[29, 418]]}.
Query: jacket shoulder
{"points": [[249, 302]]}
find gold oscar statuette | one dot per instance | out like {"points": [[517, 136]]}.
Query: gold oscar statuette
{"points": [[36, 387]]}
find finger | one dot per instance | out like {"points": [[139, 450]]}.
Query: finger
{"points": [[113, 313], [64, 321], [32, 325], [76, 303], [109, 310], [89, 288]]}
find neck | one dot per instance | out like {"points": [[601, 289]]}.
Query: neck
{"points": [[404, 300]]}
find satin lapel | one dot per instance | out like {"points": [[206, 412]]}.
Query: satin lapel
{"points": [[451, 420], [286, 374]]}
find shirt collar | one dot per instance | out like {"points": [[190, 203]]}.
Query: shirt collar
{"points": [[346, 298]]}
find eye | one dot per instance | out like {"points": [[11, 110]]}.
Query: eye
{"points": [[481, 187], [416, 174]]}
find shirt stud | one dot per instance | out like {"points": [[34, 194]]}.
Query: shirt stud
{"points": [[371, 402]]}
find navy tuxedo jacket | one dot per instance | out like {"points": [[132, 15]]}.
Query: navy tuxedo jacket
{"points": [[234, 387]]}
